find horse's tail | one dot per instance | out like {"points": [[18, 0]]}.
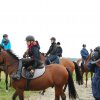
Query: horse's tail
{"points": [[71, 87], [78, 74]]}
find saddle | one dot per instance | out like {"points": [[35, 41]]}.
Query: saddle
{"points": [[39, 71]]}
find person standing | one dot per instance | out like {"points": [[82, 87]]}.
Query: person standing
{"points": [[95, 64]]}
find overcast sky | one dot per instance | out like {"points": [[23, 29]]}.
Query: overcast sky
{"points": [[72, 22]]}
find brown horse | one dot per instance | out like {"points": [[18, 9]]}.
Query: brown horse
{"points": [[84, 68], [55, 75], [67, 63], [71, 65], [3, 68]]}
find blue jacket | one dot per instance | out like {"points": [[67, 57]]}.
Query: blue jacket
{"points": [[84, 53], [6, 44], [95, 81]]}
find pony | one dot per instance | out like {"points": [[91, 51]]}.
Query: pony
{"points": [[84, 68], [55, 75]]}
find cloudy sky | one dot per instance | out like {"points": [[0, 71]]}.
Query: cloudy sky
{"points": [[72, 22]]}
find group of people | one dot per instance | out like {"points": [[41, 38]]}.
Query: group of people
{"points": [[53, 54], [33, 51]]}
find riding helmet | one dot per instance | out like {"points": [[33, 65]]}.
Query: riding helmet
{"points": [[30, 38], [95, 55]]}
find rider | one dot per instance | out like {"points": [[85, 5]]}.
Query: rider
{"points": [[52, 52], [95, 62], [34, 54], [59, 50], [6, 42], [84, 53]]}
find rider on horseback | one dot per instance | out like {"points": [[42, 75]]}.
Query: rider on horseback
{"points": [[59, 50], [6, 42], [84, 54], [52, 52], [33, 53]]}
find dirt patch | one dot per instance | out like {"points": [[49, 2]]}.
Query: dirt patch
{"points": [[83, 93]]}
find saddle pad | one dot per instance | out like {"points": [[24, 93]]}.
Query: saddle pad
{"points": [[37, 73]]}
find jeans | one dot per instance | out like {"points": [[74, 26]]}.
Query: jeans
{"points": [[52, 58]]}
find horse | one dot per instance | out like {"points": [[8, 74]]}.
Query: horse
{"points": [[2, 68], [55, 75], [84, 68], [67, 63], [71, 65]]}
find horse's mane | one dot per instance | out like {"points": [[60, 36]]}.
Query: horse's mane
{"points": [[12, 54]]}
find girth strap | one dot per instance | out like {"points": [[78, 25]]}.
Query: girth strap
{"points": [[27, 85]]}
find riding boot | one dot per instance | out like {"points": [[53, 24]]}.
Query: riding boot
{"points": [[17, 76]]}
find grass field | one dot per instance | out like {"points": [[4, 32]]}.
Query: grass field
{"points": [[8, 95]]}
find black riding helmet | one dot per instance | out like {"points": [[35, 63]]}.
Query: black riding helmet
{"points": [[53, 38], [58, 43], [30, 38], [5, 35], [96, 55]]}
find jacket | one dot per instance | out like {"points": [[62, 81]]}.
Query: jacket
{"points": [[95, 81], [84, 53], [52, 49], [59, 51], [34, 53], [6, 44]]}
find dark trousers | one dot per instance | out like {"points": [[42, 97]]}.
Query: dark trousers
{"points": [[97, 98], [52, 58]]}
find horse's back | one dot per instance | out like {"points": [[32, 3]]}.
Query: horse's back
{"points": [[67, 63]]}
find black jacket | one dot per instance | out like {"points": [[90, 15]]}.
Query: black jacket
{"points": [[52, 49], [59, 51], [34, 53]]}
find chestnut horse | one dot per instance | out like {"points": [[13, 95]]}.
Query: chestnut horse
{"points": [[71, 65], [55, 75], [84, 68]]}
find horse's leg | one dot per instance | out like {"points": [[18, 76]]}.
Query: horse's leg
{"points": [[10, 82], [82, 71], [43, 92], [63, 96], [65, 87], [6, 81], [86, 77], [59, 92], [21, 95], [15, 95], [91, 75]]}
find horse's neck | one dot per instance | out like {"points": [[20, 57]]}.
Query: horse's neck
{"points": [[11, 64]]}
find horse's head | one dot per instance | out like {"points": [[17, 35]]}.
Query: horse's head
{"points": [[7, 57], [2, 55]]}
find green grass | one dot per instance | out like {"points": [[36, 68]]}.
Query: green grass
{"points": [[8, 95]]}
